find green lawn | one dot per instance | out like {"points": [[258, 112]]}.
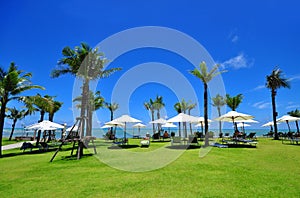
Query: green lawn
{"points": [[270, 170]]}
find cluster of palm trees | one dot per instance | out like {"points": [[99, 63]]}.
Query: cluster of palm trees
{"points": [[88, 64]]}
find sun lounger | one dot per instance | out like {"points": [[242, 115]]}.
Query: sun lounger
{"points": [[145, 142]]}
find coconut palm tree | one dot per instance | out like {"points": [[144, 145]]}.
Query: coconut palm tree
{"points": [[158, 105], [112, 107], [56, 105], [218, 102], [12, 83], [150, 107], [87, 64], [233, 103], [206, 76], [15, 115], [275, 81], [178, 108], [295, 113]]}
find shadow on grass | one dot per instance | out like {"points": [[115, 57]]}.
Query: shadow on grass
{"points": [[74, 157], [183, 147], [123, 146], [28, 152]]}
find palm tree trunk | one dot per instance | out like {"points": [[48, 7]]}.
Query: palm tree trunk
{"points": [[2, 117], [220, 122], [289, 128], [189, 112], [276, 137], [83, 116], [111, 118], [179, 129], [158, 125], [12, 129], [153, 125], [297, 126], [206, 115]]}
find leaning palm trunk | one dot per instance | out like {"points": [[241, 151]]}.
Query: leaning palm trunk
{"points": [[12, 129], [297, 126], [276, 137]]}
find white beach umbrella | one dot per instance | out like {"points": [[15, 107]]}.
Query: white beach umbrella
{"points": [[233, 116], [169, 125], [105, 126], [114, 123], [126, 119], [270, 124], [287, 119], [158, 121], [241, 123], [45, 125], [139, 126], [181, 117], [201, 122]]}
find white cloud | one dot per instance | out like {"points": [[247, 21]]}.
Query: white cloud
{"points": [[237, 62], [262, 105], [259, 87], [233, 37]]}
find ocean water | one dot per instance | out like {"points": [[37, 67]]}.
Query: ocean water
{"points": [[130, 132]]}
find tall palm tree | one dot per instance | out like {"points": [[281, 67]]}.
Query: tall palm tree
{"points": [[295, 113], [189, 108], [15, 115], [87, 64], [178, 108], [218, 102], [275, 81], [158, 105], [150, 107], [206, 76], [112, 107], [12, 83], [233, 103]]}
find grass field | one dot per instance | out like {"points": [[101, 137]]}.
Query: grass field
{"points": [[270, 170]]}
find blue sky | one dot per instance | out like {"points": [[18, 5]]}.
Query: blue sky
{"points": [[247, 38]]}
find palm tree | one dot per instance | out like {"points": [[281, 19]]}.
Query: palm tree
{"points": [[233, 103], [150, 107], [189, 108], [56, 105], [219, 102], [87, 64], [41, 104], [275, 81], [15, 115], [12, 84], [112, 107], [178, 108], [158, 105], [295, 113], [206, 76]]}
